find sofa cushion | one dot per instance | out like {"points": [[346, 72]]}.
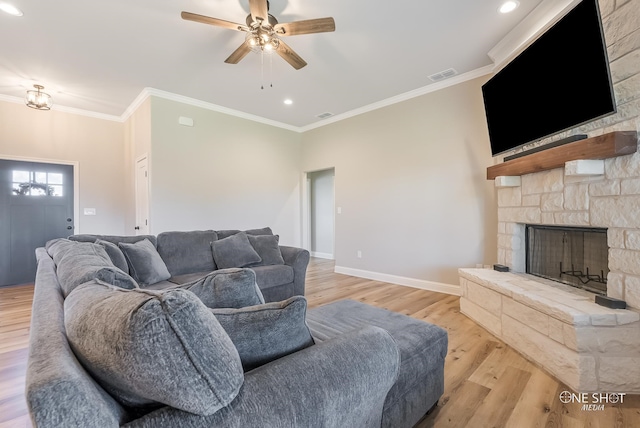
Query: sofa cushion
{"points": [[274, 275], [266, 332], [188, 277], [234, 252], [115, 254], [227, 288], [116, 239], [267, 248], [229, 232], [148, 347], [79, 262], [422, 345], [145, 264], [187, 252]]}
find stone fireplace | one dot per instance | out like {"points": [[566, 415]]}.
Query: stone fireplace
{"points": [[589, 347], [559, 327]]}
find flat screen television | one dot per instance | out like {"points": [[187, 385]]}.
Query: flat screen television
{"points": [[562, 80]]}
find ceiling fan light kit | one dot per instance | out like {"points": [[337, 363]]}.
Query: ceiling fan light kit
{"points": [[264, 32]]}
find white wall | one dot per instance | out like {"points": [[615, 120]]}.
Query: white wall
{"points": [[223, 173], [411, 181], [137, 136], [97, 146], [322, 212]]}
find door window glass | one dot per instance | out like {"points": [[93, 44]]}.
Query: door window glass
{"points": [[37, 183]]}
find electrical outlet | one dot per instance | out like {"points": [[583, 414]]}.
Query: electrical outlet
{"points": [[359, 254]]}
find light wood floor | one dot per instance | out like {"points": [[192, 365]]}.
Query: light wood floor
{"points": [[487, 384]]}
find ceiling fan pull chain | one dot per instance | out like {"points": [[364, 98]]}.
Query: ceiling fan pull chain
{"points": [[271, 67], [261, 70]]}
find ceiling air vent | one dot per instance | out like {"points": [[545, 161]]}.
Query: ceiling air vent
{"points": [[450, 72], [324, 115]]}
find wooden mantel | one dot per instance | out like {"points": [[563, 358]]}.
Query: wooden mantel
{"points": [[609, 145]]}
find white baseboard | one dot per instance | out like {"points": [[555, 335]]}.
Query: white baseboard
{"points": [[401, 280], [321, 255]]}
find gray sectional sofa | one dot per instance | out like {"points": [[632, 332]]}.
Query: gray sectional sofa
{"points": [[189, 256], [208, 351]]}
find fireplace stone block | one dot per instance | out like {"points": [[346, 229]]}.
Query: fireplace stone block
{"points": [[588, 347]]}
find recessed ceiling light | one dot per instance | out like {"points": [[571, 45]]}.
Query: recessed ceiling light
{"points": [[509, 6], [10, 9], [288, 102]]}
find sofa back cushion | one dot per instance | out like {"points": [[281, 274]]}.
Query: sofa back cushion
{"points": [[187, 252], [116, 239], [79, 262], [149, 347]]}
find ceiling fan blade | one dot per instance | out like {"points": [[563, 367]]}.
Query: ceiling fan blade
{"points": [[213, 21], [259, 10], [290, 56], [320, 25], [238, 54]]}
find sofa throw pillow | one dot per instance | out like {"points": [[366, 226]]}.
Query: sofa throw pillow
{"points": [[149, 347], [228, 232], [115, 254], [267, 248], [145, 264], [262, 231], [234, 252], [79, 262], [229, 288], [264, 333]]}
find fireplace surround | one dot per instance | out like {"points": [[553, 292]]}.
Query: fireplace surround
{"points": [[559, 327]]}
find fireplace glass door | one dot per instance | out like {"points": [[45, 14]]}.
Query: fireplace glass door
{"points": [[571, 255]]}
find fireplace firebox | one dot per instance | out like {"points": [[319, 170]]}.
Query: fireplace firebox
{"points": [[572, 255]]}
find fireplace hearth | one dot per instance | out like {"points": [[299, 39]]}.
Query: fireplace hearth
{"points": [[576, 256]]}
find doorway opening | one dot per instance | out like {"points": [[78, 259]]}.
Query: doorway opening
{"points": [[319, 223]]}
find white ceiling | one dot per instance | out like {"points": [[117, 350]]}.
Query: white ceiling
{"points": [[99, 55]]}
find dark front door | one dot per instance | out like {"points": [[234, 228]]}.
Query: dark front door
{"points": [[36, 205]]}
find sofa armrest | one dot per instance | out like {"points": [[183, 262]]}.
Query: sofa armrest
{"points": [[58, 390], [298, 259], [339, 383], [227, 288]]}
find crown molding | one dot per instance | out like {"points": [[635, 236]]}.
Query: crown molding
{"points": [[547, 13], [461, 78], [148, 92]]}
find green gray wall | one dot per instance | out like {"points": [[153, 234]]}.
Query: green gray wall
{"points": [[410, 182], [224, 172]]}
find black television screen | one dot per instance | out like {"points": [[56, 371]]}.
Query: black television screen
{"points": [[560, 81]]}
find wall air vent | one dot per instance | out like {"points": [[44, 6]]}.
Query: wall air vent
{"points": [[324, 115], [450, 72]]}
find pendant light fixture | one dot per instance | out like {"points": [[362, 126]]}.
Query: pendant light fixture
{"points": [[37, 99]]}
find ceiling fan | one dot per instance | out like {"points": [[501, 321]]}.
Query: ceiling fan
{"points": [[264, 31]]}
